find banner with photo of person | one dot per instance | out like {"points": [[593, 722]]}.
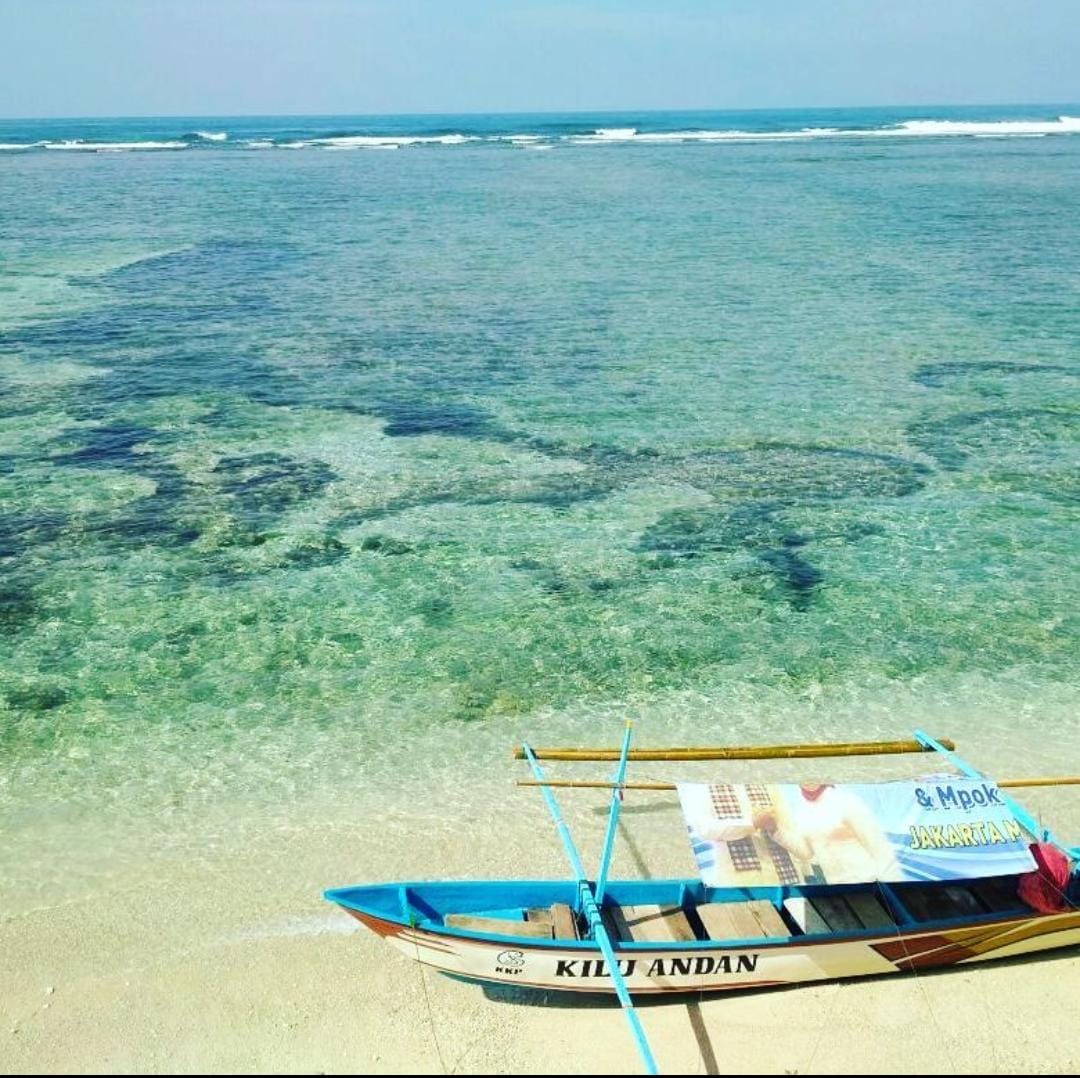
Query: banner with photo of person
{"points": [[751, 835]]}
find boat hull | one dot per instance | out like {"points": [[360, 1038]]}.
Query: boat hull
{"points": [[698, 968]]}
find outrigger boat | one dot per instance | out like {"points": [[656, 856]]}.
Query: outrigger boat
{"points": [[954, 872]]}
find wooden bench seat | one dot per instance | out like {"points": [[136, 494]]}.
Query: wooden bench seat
{"points": [[651, 924], [741, 920], [563, 922]]}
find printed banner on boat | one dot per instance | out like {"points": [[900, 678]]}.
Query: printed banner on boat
{"points": [[938, 829]]}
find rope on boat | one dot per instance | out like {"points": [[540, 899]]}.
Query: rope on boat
{"points": [[427, 1001]]}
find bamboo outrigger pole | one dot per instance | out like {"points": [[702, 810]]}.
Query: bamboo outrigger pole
{"points": [[592, 910], [601, 784], [743, 752]]}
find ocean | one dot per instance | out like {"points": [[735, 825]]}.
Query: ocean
{"points": [[326, 474]]}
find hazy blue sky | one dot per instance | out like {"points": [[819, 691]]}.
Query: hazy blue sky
{"points": [[152, 57]]}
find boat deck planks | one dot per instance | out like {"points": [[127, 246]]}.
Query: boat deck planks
{"points": [[563, 922], [651, 924], [729, 920], [772, 924]]}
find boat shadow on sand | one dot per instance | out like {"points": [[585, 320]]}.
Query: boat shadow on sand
{"points": [[537, 997]]}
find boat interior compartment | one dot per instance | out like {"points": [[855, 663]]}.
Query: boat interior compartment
{"points": [[964, 899], [835, 913], [999, 894], [500, 926], [750, 918], [556, 921], [851, 911], [685, 912]]}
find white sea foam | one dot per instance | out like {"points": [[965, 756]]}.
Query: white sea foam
{"points": [[365, 142], [1063, 125], [919, 128], [373, 146], [98, 147], [630, 134]]}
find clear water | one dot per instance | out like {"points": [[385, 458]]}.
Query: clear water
{"points": [[328, 473]]}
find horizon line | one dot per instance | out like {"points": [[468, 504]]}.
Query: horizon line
{"points": [[651, 110]]}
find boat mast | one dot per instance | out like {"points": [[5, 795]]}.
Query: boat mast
{"points": [[589, 906]]}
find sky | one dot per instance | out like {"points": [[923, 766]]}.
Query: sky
{"points": [[279, 57]]}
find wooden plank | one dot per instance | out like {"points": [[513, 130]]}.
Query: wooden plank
{"points": [[652, 924], [497, 926], [870, 912], [741, 752], [563, 922], [539, 914], [806, 917], [768, 917], [729, 921], [836, 913]]}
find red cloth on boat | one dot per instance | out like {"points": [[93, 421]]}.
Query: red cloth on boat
{"points": [[1044, 889]]}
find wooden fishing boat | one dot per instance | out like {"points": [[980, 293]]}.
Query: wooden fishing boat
{"points": [[679, 936], [688, 935]]}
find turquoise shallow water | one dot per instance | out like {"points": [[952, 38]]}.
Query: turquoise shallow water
{"points": [[307, 455]]}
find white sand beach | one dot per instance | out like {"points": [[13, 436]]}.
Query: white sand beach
{"points": [[216, 953]]}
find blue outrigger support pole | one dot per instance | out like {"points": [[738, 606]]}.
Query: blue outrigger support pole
{"points": [[1022, 815], [618, 778], [591, 909]]}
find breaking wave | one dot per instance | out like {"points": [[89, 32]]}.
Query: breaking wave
{"points": [[555, 134], [111, 147]]}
